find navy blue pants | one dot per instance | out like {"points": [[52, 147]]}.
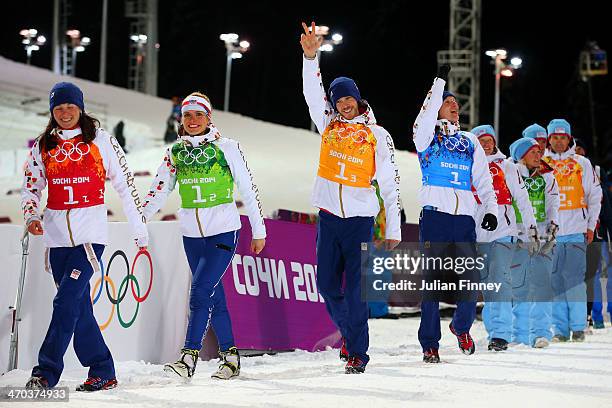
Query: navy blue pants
{"points": [[208, 259], [339, 252], [440, 227], [72, 268]]}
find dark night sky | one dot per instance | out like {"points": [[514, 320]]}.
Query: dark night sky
{"points": [[389, 49]]}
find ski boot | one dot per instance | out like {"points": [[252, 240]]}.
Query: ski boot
{"points": [[97, 384], [464, 340], [355, 365], [431, 356], [230, 364], [559, 338], [497, 344], [578, 336], [541, 342], [186, 365], [37, 382]]}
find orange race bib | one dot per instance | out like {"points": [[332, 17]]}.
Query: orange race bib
{"points": [[568, 173], [348, 154]]}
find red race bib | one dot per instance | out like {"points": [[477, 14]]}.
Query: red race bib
{"points": [[75, 175]]}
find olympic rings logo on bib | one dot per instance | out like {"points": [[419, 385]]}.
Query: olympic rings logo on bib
{"points": [[117, 298], [358, 136], [453, 143], [75, 153], [563, 168], [494, 171], [534, 184], [196, 155]]}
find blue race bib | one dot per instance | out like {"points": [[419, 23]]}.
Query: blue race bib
{"points": [[447, 162]]}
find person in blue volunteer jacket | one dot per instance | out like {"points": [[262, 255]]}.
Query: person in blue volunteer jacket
{"points": [[580, 201], [452, 161], [499, 245], [531, 273]]}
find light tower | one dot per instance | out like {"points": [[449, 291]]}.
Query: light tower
{"points": [[463, 55]]}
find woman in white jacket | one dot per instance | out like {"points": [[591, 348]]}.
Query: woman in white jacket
{"points": [[206, 166], [73, 157]]}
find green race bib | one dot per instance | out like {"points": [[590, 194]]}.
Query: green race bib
{"points": [[203, 175], [536, 187]]}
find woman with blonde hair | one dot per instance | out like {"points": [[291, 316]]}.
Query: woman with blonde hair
{"points": [[206, 166]]}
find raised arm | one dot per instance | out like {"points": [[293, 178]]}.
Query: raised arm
{"points": [[321, 111], [424, 126]]}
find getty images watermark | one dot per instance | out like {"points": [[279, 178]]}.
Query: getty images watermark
{"points": [[406, 264], [416, 271]]}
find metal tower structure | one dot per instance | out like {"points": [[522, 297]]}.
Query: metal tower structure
{"points": [[142, 65], [61, 59], [463, 55]]}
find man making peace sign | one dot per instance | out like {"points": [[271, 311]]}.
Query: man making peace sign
{"points": [[354, 152]]}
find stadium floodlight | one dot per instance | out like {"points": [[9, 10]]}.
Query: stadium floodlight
{"points": [[78, 44], [501, 69], [234, 50], [31, 41]]}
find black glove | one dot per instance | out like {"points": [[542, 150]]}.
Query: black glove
{"points": [[489, 222], [443, 71]]}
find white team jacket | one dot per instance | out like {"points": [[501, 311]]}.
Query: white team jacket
{"points": [[206, 222], [579, 220], [450, 200], [346, 201], [551, 201], [506, 218], [73, 227]]}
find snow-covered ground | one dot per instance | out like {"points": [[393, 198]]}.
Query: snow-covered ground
{"points": [[564, 375]]}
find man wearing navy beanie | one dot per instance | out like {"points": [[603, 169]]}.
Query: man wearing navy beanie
{"points": [[452, 163], [354, 152], [66, 92]]}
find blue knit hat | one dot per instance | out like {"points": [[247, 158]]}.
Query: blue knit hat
{"points": [[341, 87], [66, 92], [446, 94], [559, 127], [520, 147], [483, 130], [535, 131]]}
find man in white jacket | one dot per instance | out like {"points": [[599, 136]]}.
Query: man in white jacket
{"points": [[452, 161], [580, 201], [354, 151], [532, 292], [499, 245]]}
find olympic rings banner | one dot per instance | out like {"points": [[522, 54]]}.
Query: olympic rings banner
{"points": [[141, 300], [141, 303]]}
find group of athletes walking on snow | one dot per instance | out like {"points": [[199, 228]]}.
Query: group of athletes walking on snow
{"points": [[73, 157]]}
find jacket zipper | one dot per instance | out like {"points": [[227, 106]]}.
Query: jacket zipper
{"points": [[456, 201], [341, 205], [69, 229], [198, 220]]}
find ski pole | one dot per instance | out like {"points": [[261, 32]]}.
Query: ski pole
{"points": [[25, 240]]}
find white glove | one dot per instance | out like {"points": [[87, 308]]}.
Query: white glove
{"points": [[551, 235], [533, 246], [551, 231]]}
